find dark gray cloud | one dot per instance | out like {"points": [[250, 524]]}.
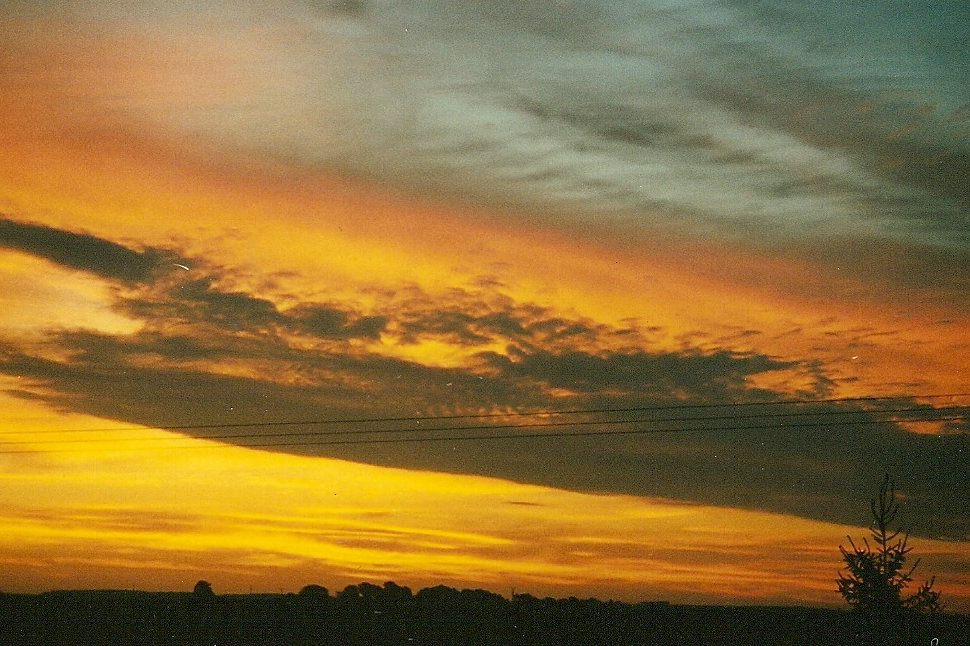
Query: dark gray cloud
{"points": [[696, 376], [201, 301], [82, 251], [820, 464], [474, 323], [211, 355], [332, 322]]}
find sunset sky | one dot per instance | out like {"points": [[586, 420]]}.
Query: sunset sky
{"points": [[281, 283]]}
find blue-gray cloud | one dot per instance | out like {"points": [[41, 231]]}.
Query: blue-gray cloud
{"points": [[750, 119]]}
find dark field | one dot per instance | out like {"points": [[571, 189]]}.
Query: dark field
{"points": [[369, 614]]}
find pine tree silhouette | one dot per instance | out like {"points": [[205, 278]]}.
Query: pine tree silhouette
{"points": [[876, 574]]}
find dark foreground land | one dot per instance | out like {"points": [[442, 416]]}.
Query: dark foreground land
{"points": [[374, 615]]}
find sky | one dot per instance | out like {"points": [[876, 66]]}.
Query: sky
{"points": [[282, 283]]}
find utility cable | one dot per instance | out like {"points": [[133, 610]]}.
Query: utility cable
{"points": [[555, 434], [964, 410], [540, 413]]}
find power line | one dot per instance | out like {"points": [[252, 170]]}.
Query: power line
{"points": [[540, 413], [459, 438], [516, 436], [489, 427]]}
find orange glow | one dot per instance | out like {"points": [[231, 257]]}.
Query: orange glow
{"points": [[111, 513], [333, 236]]}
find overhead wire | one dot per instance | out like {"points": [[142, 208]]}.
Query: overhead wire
{"points": [[589, 422], [539, 413], [922, 413], [508, 436], [583, 433]]}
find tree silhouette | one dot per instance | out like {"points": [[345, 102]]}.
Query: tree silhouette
{"points": [[314, 590], [876, 574], [203, 589]]}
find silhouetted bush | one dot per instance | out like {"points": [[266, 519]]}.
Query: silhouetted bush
{"points": [[203, 589], [315, 591]]}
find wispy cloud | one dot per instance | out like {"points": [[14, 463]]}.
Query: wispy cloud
{"points": [[693, 115]]}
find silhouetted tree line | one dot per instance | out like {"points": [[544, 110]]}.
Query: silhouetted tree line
{"points": [[392, 614]]}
